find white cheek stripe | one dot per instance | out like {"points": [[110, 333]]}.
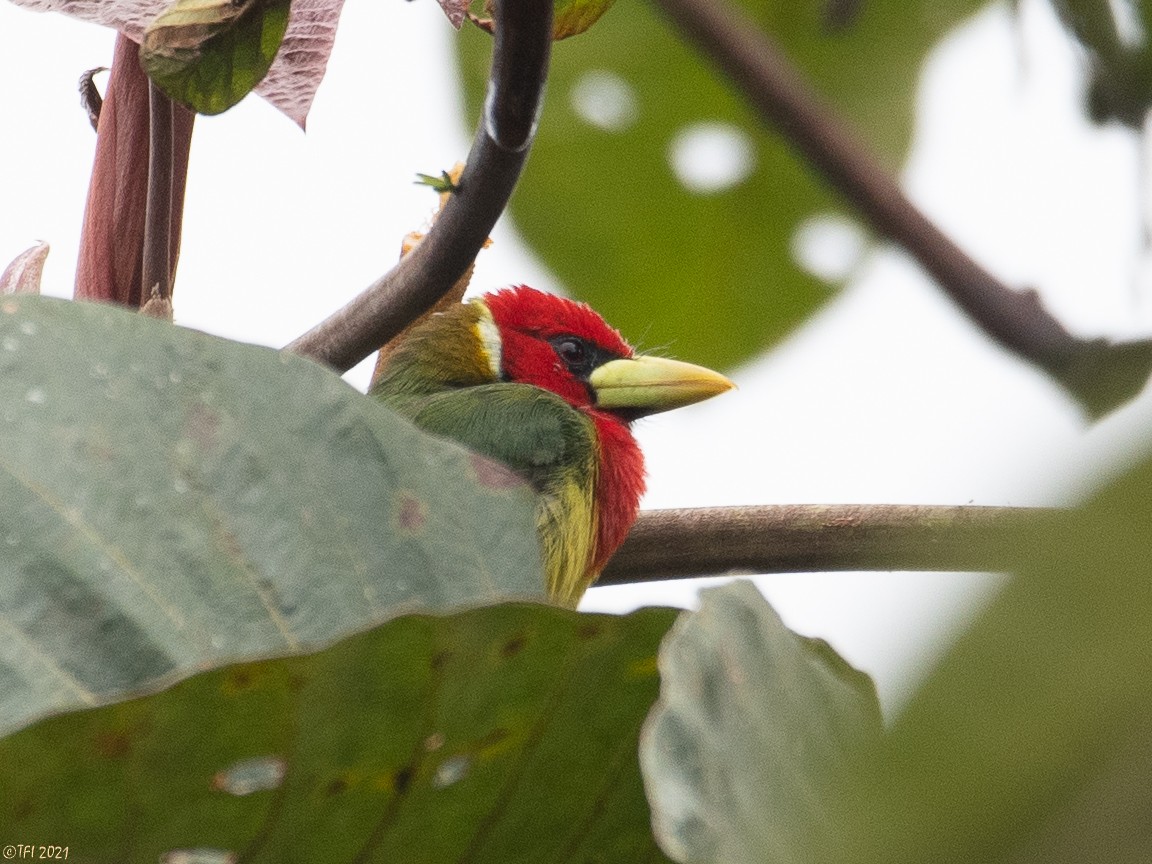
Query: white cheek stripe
{"points": [[490, 342]]}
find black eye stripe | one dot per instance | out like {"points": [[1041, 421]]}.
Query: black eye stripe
{"points": [[580, 355]]}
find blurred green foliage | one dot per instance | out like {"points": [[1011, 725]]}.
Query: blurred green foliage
{"points": [[709, 276]]}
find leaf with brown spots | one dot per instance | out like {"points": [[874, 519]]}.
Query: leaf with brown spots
{"points": [[209, 501], [429, 738], [411, 513]]}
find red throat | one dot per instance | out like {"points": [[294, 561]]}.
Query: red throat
{"points": [[620, 486]]}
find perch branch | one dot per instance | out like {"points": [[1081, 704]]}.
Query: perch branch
{"points": [[803, 538], [523, 43], [787, 102]]}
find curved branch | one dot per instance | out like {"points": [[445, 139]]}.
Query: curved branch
{"points": [[804, 538], [1102, 375], [523, 44]]}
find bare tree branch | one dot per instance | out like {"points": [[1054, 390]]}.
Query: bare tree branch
{"points": [[803, 538], [523, 44], [1100, 374]]}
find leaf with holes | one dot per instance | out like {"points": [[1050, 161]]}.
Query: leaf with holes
{"points": [[170, 501], [754, 729], [655, 193], [210, 55], [504, 734]]}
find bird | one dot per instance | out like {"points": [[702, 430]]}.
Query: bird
{"points": [[543, 385]]}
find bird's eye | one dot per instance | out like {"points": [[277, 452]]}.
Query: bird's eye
{"points": [[574, 352], [571, 351]]}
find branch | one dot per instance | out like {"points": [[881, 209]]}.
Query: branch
{"points": [[805, 538], [1102, 375], [523, 44]]}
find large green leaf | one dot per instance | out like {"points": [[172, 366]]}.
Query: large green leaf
{"points": [[169, 500], [754, 727], [711, 276], [208, 54], [504, 734], [1032, 742]]}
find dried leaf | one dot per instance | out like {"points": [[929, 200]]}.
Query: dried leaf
{"points": [[22, 276], [292, 81], [456, 10], [158, 307], [90, 99]]}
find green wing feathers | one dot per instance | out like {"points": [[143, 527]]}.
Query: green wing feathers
{"points": [[538, 435]]}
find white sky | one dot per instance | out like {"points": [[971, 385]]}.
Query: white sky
{"points": [[886, 396]]}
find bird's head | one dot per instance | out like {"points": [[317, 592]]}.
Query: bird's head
{"points": [[566, 347]]}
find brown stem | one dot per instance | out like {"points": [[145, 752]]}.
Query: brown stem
{"points": [[1015, 319], [523, 43], [802, 538], [158, 208], [111, 262]]}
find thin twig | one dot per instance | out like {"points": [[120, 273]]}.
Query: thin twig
{"points": [[521, 51], [804, 538], [157, 271], [1015, 319]]}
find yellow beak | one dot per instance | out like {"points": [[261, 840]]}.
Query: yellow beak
{"points": [[648, 385]]}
